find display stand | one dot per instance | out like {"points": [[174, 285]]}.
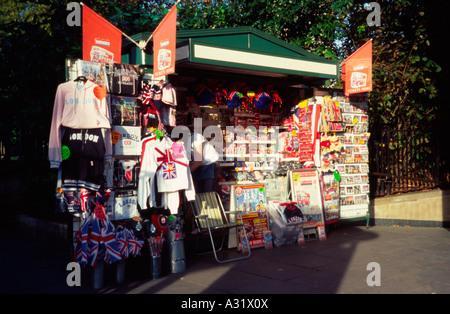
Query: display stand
{"points": [[352, 163], [306, 191], [121, 82]]}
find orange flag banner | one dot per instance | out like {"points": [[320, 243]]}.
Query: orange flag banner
{"points": [[102, 41], [164, 44], [357, 70]]}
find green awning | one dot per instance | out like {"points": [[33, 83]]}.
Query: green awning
{"points": [[239, 50]]}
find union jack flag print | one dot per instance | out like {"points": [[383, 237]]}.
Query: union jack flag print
{"points": [[93, 246], [122, 243], [134, 244], [110, 247], [96, 241], [169, 171]]}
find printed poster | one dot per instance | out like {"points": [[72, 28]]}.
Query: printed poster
{"points": [[251, 199], [255, 224], [305, 189]]}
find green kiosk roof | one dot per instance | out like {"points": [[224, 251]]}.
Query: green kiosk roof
{"points": [[239, 50]]}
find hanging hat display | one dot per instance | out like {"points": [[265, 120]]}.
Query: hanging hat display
{"points": [[276, 99], [235, 99], [220, 96], [262, 101], [203, 95]]}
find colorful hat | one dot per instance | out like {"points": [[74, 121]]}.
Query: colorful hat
{"points": [[262, 101], [221, 95], [203, 95], [235, 99]]}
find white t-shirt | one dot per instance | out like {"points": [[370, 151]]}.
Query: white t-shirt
{"points": [[210, 154]]}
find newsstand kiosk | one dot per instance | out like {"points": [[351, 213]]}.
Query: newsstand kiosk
{"points": [[294, 157]]}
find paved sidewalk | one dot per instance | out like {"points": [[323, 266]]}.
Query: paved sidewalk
{"points": [[412, 260]]}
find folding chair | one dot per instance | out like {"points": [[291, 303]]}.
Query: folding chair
{"points": [[210, 217]]}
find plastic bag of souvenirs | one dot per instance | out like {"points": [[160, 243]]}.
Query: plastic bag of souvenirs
{"points": [[283, 233]]}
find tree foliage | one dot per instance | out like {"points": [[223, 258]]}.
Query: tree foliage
{"points": [[404, 73], [313, 25], [403, 70]]}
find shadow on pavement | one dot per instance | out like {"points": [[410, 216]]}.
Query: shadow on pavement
{"points": [[313, 267], [412, 260]]}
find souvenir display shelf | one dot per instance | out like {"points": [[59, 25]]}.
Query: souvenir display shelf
{"points": [[348, 156]]}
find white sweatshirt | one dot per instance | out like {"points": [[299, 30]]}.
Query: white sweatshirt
{"points": [[164, 164], [169, 95], [78, 108]]}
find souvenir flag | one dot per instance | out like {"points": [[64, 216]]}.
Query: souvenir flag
{"points": [[134, 244], [111, 249], [122, 243], [357, 70], [85, 231], [94, 242], [297, 123], [84, 199], [169, 171], [164, 44], [77, 247], [102, 41]]}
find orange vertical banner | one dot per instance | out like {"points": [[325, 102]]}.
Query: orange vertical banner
{"points": [[164, 44], [357, 70], [102, 41]]}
